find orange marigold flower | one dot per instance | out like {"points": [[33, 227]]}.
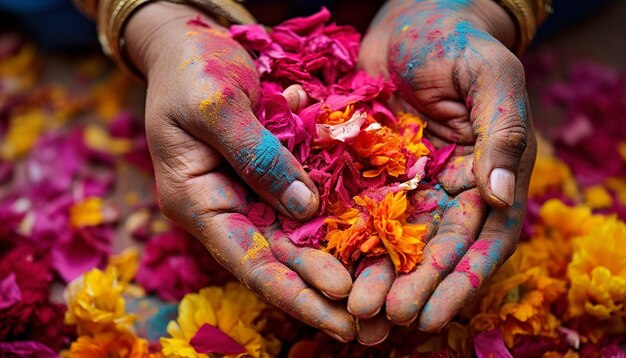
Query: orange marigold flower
{"points": [[114, 344], [402, 240], [383, 150], [411, 127], [517, 300], [347, 231], [379, 228], [327, 116]]}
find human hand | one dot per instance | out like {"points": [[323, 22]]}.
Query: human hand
{"points": [[451, 62], [202, 88]]}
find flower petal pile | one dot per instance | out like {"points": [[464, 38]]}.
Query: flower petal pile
{"points": [[342, 132]]}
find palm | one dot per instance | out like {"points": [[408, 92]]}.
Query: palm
{"points": [[470, 90]]}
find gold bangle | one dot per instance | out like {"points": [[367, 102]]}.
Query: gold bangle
{"points": [[528, 15], [113, 16]]}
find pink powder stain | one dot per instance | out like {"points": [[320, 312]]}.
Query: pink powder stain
{"points": [[482, 247], [501, 110], [469, 101], [198, 22], [437, 266], [292, 275], [433, 18], [464, 267]]}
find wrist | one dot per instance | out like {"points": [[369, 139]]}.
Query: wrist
{"points": [[487, 15], [156, 30], [492, 18]]}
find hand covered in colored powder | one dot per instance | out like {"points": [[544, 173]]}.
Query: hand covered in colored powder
{"points": [[451, 62], [202, 88]]}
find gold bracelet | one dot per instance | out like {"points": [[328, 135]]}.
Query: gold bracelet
{"points": [[113, 15], [528, 15]]}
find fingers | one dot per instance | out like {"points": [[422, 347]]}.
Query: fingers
{"points": [[238, 246], [296, 97], [267, 166], [207, 203], [222, 117], [499, 116], [373, 331], [460, 225], [497, 241], [429, 209], [457, 176], [318, 268], [370, 288]]}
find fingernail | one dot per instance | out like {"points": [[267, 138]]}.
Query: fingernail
{"points": [[304, 98], [502, 185], [297, 198], [336, 336], [334, 296]]}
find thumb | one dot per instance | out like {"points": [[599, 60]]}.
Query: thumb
{"points": [[258, 157], [500, 119]]}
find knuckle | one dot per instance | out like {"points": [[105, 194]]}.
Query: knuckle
{"points": [[513, 136], [166, 201], [255, 276]]}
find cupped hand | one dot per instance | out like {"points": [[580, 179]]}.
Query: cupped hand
{"points": [[202, 88], [452, 65]]}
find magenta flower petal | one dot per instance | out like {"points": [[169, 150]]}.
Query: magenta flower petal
{"points": [[209, 339], [308, 233], [30, 349], [490, 344], [71, 259], [261, 215], [10, 292]]}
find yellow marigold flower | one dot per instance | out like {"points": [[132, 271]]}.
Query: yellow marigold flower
{"points": [[597, 197], [551, 174], [517, 301], [568, 221], [23, 133], [95, 303], [98, 139], [617, 185], [402, 241], [107, 97], [598, 272], [110, 344], [233, 309], [126, 263], [86, 213], [411, 127], [22, 68]]}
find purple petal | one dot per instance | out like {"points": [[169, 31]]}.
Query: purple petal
{"points": [[490, 344], [307, 231], [30, 349], [209, 339], [10, 292]]}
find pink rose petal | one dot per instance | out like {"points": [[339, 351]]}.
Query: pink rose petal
{"points": [[490, 344], [209, 339], [10, 292]]}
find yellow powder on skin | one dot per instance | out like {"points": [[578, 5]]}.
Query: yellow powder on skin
{"points": [[258, 244]]}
